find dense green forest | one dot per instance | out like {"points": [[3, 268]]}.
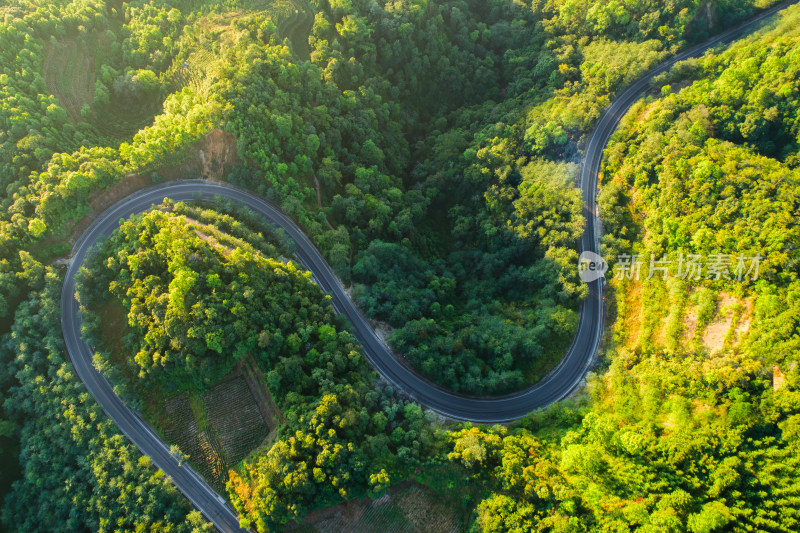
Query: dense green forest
{"points": [[198, 302], [79, 472], [430, 149], [683, 431]]}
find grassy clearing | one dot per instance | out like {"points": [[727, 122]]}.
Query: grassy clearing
{"points": [[69, 76], [428, 511], [256, 381], [114, 326], [297, 27], [113, 329], [122, 122], [293, 20], [199, 411]]}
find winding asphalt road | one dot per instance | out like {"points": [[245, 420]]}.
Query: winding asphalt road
{"points": [[557, 385]]}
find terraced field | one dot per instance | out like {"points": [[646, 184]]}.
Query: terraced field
{"points": [[296, 27], [219, 430], [69, 73], [197, 72], [201, 446], [235, 417]]}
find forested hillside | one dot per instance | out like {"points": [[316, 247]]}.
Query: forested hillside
{"points": [[694, 424], [430, 149], [201, 301], [79, 473]]}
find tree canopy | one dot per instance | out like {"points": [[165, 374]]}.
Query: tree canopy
{"points": [[430, 150]]}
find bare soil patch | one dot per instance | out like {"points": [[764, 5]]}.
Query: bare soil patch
{"points": [[689, 324], [713, 336]]}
